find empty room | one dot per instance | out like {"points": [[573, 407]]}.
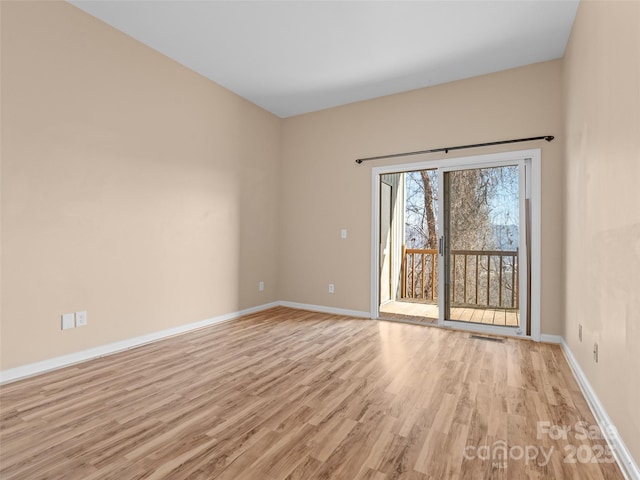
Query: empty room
{"points": [[353, 240]]}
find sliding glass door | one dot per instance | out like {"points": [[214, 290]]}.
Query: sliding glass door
{"points": [[482, 246], [452, 243]]}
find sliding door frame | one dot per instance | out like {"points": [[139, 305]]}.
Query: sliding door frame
{"points": [[533, 184], [444, 302]]}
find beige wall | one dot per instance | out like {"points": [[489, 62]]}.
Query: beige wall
{"points": [[132, 188], [602, 230], [324, 190]]}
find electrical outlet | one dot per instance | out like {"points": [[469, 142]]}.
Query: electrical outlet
{"points": [[261, 286], [595, 352], [68, 321], [331, 288], [81, 318], [343, 233], [580, 331]]}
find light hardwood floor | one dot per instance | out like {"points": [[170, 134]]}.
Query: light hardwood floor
{"points": [[289, 394]]}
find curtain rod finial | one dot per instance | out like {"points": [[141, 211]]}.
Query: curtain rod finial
{"points": [[548, 138]]}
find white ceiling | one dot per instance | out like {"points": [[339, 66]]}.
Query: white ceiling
{"points": [[293, 57]]}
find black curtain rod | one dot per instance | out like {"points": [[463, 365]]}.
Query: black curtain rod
{"points": [[548, 138]]}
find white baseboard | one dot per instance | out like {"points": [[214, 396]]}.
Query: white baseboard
{"points": [[620, 451], [331, 310], [36, 368], [545, 338]]}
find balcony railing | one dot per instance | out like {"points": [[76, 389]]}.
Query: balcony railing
{"points": [[487, 278], [419, 273]]}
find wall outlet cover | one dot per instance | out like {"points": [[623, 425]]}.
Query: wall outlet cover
{"points": [[81, 318], [580, 331]]}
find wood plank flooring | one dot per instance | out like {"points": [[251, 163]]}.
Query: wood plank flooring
{"points": [[289, 394]]}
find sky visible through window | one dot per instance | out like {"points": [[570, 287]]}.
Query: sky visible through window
{"points": [[500, 192]]}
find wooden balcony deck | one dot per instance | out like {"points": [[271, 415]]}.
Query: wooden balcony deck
{"points": [[427, 313]]}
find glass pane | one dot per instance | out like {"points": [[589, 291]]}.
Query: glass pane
{"points": [[483, 230], [413, 258]]}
